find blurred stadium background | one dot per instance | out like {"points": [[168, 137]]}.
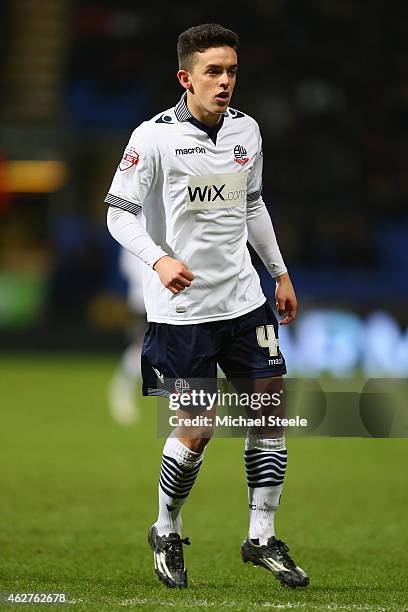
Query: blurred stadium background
{"points": [[328, 82]]}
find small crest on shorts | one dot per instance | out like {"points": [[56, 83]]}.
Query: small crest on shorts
{"points": [[181, 386], [130, 158]]}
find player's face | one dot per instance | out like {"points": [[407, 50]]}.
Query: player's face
{"points": [[211, 83]]}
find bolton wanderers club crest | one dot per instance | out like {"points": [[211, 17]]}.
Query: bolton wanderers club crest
{"points": [[240, 155]]}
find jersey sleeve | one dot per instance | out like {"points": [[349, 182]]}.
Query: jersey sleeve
{"points": [[261, 234], [254, 186], [137, 172], [130, 232]]}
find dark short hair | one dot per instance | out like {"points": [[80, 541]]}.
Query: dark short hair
{"points": [[202, 37]]}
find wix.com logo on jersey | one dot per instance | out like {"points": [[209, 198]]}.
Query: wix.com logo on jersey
{"points": [[216, 191]]}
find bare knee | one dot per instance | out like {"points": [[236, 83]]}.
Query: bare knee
{"points": [[198, 439]]}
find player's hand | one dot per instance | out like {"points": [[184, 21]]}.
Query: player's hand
{"points": [[174, 274], [286, 301]]}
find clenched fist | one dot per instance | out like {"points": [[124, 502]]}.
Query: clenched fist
{"points": [[174, 274]]}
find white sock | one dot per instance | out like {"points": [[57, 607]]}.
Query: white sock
{"points": [[265, 463], [179, 469], [130, 363]]}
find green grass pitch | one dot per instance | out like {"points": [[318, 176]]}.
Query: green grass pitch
{"points": [[78, 493]]}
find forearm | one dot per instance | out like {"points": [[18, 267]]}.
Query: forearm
{"points": [[262, 238], [128, 230]]}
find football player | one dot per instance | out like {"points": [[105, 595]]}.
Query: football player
{"points": [[185, 199]]}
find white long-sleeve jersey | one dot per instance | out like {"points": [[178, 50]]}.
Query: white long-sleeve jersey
{"points": [[194, 193]]}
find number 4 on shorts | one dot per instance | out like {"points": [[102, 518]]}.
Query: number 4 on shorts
{"points": [[266, 337]]}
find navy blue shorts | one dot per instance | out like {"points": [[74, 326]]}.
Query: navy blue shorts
{"points": [[245, 347]]}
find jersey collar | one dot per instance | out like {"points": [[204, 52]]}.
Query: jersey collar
{"points": [[183, 114], [181, 110]]}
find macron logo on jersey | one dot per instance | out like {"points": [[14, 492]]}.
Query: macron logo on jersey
{"points": [[216, 191], [190, 151]]}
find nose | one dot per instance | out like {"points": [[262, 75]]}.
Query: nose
{"points": [[224, 80]]}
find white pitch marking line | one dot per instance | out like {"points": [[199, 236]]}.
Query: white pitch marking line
{"points": [[274, 606]]}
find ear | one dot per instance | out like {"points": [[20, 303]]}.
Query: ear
{"points": [[184, 79]]}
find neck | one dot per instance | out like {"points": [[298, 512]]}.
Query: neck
{"points": [[199, 113]]}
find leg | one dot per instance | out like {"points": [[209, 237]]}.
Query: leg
{"points": [[123, 387], [265, 464], [181, 461], [172, 354], [265, 459], [255, 365], [179, 470]]}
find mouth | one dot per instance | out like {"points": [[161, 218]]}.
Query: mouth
{"points": [[222, 96]]}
